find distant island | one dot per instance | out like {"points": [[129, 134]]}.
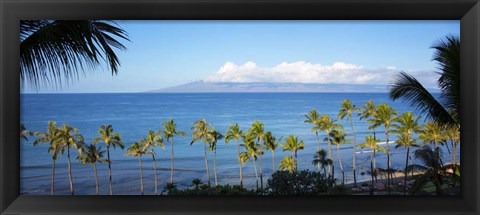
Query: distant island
{"points": [[203, 87]]}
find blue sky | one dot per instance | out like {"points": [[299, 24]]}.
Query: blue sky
{"points": [[169, 53]]}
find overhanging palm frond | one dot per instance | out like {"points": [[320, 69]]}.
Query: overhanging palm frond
{"points": [[55, 52], [409, 89], [447, 55]]}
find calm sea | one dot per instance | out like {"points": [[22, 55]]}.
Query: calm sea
{"points": [[133, 114]]}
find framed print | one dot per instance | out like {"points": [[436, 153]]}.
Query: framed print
{"points": [[239, 107]]}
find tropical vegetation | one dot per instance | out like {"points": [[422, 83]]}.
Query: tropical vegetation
{"points": [[442, 127]]}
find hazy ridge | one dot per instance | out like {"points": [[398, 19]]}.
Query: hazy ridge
{"points": [[202, 86]]}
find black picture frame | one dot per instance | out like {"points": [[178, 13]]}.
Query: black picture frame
{"points": [[12, 11]]}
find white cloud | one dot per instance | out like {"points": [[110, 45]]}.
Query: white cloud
{"points": [[304, 72]]}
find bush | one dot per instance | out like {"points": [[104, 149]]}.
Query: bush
{"points": [[340, 190], [218, 190], [304, 182]]}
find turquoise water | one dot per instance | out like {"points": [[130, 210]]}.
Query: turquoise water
{"points": [[133, 114]]}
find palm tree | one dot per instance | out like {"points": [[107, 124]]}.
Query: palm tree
{"points": [[50, 137], [200, 133], [288, 164], [445, 110], [321, 158], [24, 132], [213, 137], [110, 138], [338, 137], [431, 168], [271, 143], [153, 139], [68, 137], [386, 116], [293, 145], [407, 124], [327, 124], [405, 140], [234, 132], [137, 150], [347, 110], [372, 143], [453, 134], [55, 51], [369, 112], [314, 119], [251, 151], [92, 154], [170, 130], [432, 133], [197, 182], [257, 130], [170, 188]]}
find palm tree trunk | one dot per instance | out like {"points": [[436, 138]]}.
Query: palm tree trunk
{"points": [[239, 164], [354, 154], [255, 168], [273, 161], [454, 145], [437, 151], [206, 161], [261, 169], [155, 172], [388, 162], [328, 179], [375, 164], [330, 156], [70, 170], [318, 149], [171, 165], [53, 177], [241, 175], [341, 165], [374, 156], [406, 165], [215, 166], [437, 181], [96, 178], [109, 168], [141, 174], [410, 163], [371, 172], [296, 162]]}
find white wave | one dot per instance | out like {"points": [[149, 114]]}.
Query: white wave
{"points": [[364, 151]]}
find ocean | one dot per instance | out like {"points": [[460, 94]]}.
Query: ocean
{"points": [[134, 114]]}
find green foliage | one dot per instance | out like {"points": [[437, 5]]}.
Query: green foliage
{"points": [[304, 182], [200, 131], [217, 190], [288, 164], [109, 137], [53, 52], [170, 188], [340, 190], [445, 110]]}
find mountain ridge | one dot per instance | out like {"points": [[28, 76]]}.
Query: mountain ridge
{"points": [[204, 87]]}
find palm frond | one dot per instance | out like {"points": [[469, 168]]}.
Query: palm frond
{"points": [[447, 55], [57, 52], [410, 90]]}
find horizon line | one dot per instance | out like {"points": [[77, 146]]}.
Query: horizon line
{"points": [[213, 92]]}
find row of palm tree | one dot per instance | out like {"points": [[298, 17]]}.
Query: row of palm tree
{"points": [[253, 142], [405, 125]]}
